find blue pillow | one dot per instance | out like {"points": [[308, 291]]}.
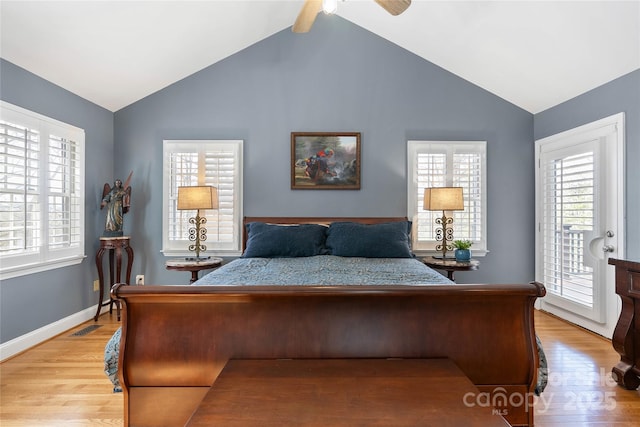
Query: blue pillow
{"points": [[284, 241], [386, 240]]}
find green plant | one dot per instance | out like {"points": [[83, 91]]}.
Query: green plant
{"points": [[462, 244]]}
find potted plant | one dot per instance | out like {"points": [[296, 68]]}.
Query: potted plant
{"points": [[462, 251]]}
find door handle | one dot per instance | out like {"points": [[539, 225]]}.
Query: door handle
{"points": [[608, 248]]}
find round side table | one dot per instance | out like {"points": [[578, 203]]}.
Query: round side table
{"points": [[194, 266], [450, 265]]}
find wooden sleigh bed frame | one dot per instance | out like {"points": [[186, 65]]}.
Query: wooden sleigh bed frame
{"points": [[177, 339]]}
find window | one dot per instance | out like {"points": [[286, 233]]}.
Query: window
{"points": [[203, 162], [41, 192], [448, 164]]}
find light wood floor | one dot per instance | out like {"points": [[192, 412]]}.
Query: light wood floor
{"points": [[62, 382], [580, 390]]}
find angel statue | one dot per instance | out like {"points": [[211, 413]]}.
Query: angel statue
{"points": [[117, 201]]}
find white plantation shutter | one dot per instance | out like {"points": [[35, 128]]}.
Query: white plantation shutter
{"points": [[65, 201], [41, 192], [20, 197], [448, 164], [207, 162], [568, 206]]}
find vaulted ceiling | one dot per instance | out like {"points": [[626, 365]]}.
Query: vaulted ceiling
{"points": [[535, 54]]}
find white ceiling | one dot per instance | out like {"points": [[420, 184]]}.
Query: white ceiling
{"points": [[535, 54]]}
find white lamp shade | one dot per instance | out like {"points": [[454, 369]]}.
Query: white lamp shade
{"points": [[197, 197], [443, 199]]}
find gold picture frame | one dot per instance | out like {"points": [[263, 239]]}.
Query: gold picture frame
{"points": [[325, 160]]}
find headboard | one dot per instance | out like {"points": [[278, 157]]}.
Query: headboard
{"points": [[312, 220]]}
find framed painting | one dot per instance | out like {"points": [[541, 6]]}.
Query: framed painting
{"points": [[325, 160]]}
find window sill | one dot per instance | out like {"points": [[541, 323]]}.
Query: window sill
{"points": [[24, 270]]}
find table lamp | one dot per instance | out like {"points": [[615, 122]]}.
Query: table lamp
{"points": [[196, 198], [443, 199]]}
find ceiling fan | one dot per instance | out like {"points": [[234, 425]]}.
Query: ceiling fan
{"points": [[310, 10]]}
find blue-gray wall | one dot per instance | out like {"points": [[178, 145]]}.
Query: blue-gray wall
{"points": [[31, 302], [338, 77], [620, 95]]}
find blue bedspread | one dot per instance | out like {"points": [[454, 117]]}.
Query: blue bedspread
{"points": [[324, 270]]}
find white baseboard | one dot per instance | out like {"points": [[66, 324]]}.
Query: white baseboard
{"points": [[26, 341]]}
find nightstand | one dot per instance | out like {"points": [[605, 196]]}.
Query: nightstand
{"points": [[194, 266], [451, 265]]}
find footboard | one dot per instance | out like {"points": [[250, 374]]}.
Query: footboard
{"points": [[626, 336], [177, 339]]}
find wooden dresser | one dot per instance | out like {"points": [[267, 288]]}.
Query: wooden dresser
{"points": [[626, 336]]}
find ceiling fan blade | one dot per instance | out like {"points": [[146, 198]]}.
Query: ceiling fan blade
{"points": [[394, 7], [307, 16]]}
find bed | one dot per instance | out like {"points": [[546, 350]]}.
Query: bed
{"points": [[321, 288]]}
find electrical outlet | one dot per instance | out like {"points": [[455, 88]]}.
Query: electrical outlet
{"points": [[140, 279], [96, 285]]}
